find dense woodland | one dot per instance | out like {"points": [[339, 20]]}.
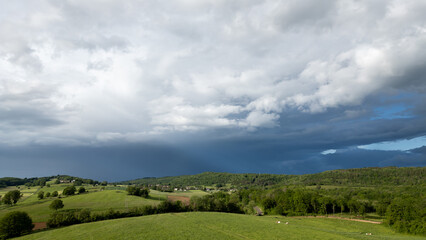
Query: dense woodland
{"points": [[344, 177]]}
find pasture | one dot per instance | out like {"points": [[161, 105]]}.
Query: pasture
{"points": [[209, 225], [95, 200]]}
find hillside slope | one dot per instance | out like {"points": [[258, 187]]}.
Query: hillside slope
{"points": [[198, 225], [347, 177]]}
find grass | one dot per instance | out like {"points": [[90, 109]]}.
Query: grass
{"points": [[189, 193], [207, 225], [26, 191], [95, 200]]}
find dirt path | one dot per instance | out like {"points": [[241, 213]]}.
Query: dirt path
{"points": [[342, 218], [39, 225]]}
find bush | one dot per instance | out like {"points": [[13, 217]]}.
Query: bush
{"points": [[15, 224], [68, 191], [40, 195], [84, 216], [137, 191], [47, 195], [60, 219], [81, 190], [54, 193], [56, 204]]}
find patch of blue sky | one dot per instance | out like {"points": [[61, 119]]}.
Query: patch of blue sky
{"points": [[399, 145], [392, 112]]}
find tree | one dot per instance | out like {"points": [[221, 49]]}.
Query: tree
{"points": [[78, 182], [68, 191], [54, 193], [47, 195], [15, 224], [81, 190], [11, 197], [137, 191], [56, 204], [40, 195]]}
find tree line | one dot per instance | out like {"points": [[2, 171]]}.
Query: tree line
{"points": [[372, 176]]}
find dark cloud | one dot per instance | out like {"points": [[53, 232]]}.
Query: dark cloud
{"points": [[242, 86]]}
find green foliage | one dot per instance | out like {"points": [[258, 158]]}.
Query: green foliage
{"points": [[407, 215], [15, 224], [54, 194], [47, 194], [138, 191], [343, 177], [11, 197], [78, 182], [40, 195], [216, 202], [81, 190], [59, 219], [68, 191], [56, 204]]}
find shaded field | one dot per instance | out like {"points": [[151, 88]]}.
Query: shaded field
{"points": [[208, 225]]}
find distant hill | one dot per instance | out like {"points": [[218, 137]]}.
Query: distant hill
{"points": [[39, 181], [372, 176]]}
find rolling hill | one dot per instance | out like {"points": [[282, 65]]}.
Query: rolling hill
{"points": [[207, 225]]}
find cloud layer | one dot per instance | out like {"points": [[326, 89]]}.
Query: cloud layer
{"points": [[84, 73]]}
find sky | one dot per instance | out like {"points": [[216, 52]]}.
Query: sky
{"points": [[115, 90]]}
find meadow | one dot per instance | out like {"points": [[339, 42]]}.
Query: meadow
{"points": [[209, 225], [97, 200]]}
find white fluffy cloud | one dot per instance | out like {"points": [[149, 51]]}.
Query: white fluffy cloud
{"points": [[84, 71]]}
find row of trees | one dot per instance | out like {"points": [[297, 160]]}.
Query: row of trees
{"points": [[343, 177], [138, 191], [42, 194], [404, 208]]}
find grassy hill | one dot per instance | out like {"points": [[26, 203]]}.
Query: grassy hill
{"points": [[344, 177], [207, 225], [95, 200]]}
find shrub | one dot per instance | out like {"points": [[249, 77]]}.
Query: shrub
{"points": [[84, 216], [40, 195], [137, 191], [54, 193], [68, 191], [81, 190], [15, 224], [56, 204], [47, 194], [60, 219]]}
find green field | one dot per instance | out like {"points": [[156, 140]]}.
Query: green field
{"points": [[95, 200], [209, 225], [189, 193]]}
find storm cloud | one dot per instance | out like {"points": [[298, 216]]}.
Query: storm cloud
{"points": [[230, 86]]}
